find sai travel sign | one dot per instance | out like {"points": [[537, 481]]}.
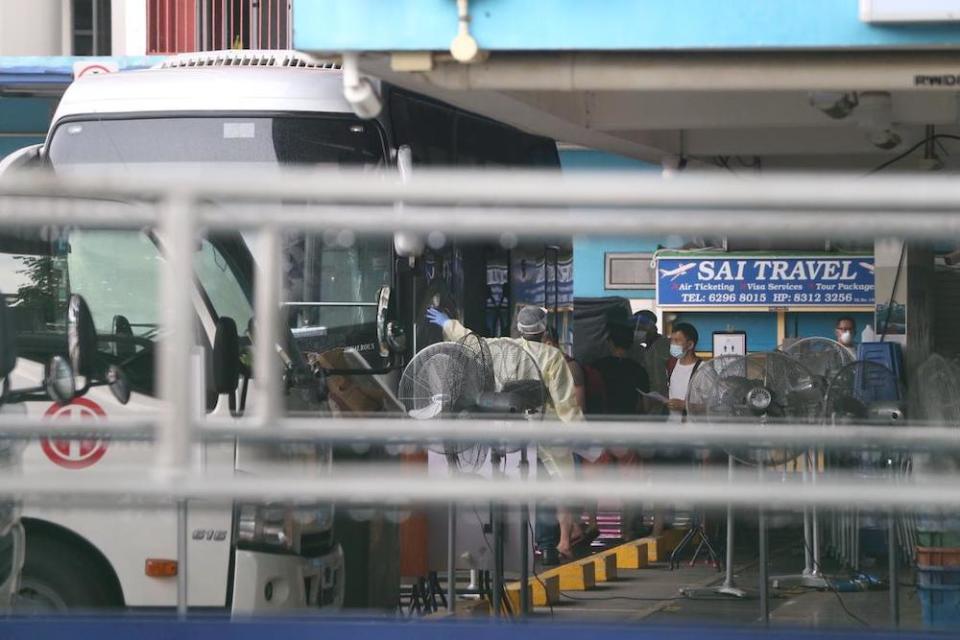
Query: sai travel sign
{"points": [[764, 281]]}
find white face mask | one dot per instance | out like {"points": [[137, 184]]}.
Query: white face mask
{"points": [[846, 338], [677, 350]]}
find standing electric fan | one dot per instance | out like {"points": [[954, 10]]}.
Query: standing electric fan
{"points": [[824, 358], [863, 393], [767, 389], [477, 376]]}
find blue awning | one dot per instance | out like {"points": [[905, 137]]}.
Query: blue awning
{"points": [[51, 72]]}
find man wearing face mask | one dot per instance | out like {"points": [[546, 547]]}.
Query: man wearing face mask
{"points": [[651, 350], [683, 362], [846, 330]]}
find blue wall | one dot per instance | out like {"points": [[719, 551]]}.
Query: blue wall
{"points": [[803, 325], [23, 121], [603, 25], [573, 159], [589, 262], [588, 252], [761, 327]]}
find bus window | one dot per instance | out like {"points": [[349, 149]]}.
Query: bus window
{"points": [[331, 290], [427, 127], [484, 142]]}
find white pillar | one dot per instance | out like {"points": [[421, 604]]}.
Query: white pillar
{"points": [[129, 27]]}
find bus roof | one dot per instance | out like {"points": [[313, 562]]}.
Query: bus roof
{"points": [[214, 88]]}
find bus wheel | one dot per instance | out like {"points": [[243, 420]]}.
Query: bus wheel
{"points": [[59, 576]]}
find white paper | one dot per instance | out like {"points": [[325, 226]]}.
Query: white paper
{"points": [[653, 395]]}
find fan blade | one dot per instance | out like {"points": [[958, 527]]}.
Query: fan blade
{"points": [[432, 410]]}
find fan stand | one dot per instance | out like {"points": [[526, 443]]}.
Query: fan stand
{"points": [[496, 522], [727, 588], [811, 578], [697, 528], [452, 546], [524, 537]]}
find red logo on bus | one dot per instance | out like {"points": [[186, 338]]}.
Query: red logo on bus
{"points": [[75, 454]]}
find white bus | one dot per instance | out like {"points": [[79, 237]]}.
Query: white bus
{"points": [[239, 109]]}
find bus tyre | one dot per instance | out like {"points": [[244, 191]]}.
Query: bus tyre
{"points": [[59, 576]]}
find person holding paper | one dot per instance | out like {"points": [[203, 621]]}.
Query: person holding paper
{"points": [[683, 362]]}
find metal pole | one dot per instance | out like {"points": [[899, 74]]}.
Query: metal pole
{"points": [[175, 436], [266, 327], [95, 29], [496, 519], [728, 579], [182, 538], [497, 571], [815, 522], [452, 558], [807, 549], [174, 364], [764, 578], [524, 539], [894, 570]]}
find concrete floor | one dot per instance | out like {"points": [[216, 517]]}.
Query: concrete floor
{"points": [[652, 595]]}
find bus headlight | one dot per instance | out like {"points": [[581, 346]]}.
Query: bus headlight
{"points": [[284, 528]]}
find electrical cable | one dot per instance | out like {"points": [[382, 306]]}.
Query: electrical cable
{"points": [[901, 156], [724, 163], [537, 575], [631, 598], [893, 293], [829, 580], [503, 596]]}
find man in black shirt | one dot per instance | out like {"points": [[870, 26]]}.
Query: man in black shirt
{"points": [[623, 379], [622, 376]]}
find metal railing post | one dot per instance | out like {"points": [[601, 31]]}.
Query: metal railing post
{"points": [[266, 325], [173, 450]]}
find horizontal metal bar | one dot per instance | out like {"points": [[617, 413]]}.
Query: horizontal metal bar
{"points": [[634, 432], [799, 205], [329, 304], [376, 484], [519, 187], [39, 210], [489, 222]]}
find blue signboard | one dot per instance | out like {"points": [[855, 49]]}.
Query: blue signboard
{"points": [[765, 281]]}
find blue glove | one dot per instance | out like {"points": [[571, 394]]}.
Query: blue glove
{"points": [[437, 317]]}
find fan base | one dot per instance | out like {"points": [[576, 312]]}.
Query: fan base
{"points": [[805, 580], [727, 590]]}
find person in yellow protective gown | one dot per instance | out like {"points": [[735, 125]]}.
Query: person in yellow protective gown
{"points": [[561, 402]]}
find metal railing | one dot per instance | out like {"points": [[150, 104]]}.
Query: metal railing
{"points": [[501, 206], [183, 26], [475, 204]]}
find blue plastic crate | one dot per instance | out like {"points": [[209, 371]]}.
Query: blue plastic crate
{"points": [[928, 576], [939, 522], [887, 354], [940, 605]]}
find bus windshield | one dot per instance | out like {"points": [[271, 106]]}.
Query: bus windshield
{"points": [[260, 141], [330, 286], [118, 274]]}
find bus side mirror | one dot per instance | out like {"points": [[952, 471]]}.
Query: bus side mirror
{"points": [[8, 340], [226, 356], [406, 244], [405, 161], [81, 337], [390, 335], [59, 380]]}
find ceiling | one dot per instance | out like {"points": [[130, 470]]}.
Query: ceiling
{"points": [[715, 110]]}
